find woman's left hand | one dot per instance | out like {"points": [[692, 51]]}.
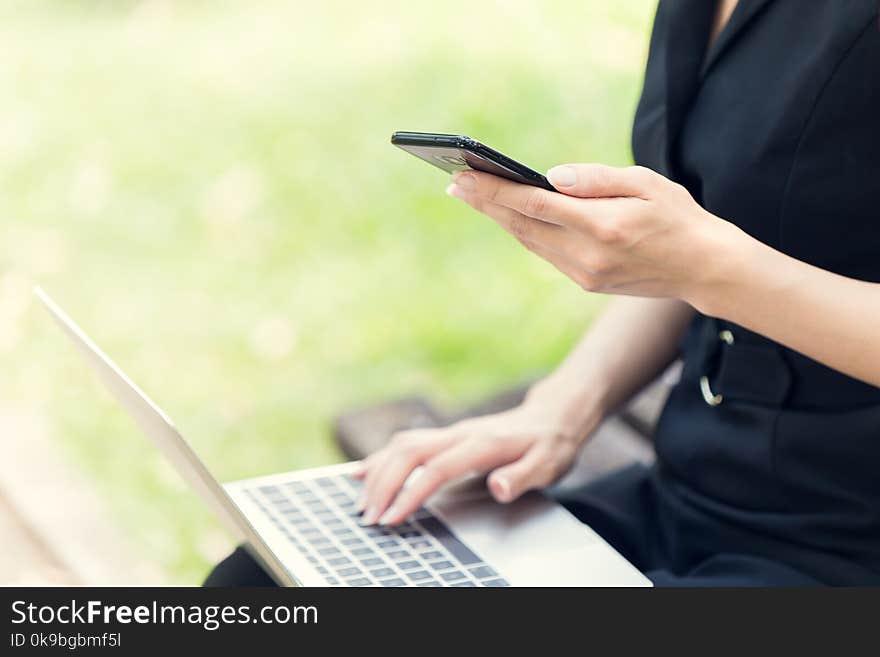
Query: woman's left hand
{"points": [[616, 230]]}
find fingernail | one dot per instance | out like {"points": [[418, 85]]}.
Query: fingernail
{"points": [[361, 504], [502, 488], [388, 515], [370, 516], [562, 176], [465, 181], [455, 190]]}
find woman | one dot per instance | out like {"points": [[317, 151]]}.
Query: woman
{"points": [[747, 241]]}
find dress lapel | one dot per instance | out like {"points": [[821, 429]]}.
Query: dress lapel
{"points": [[689, 23], [745, 11], [687, 61]]}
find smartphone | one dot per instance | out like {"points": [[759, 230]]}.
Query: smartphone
{"points": [[454, 153]]}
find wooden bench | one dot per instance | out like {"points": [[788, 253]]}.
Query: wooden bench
{"points": [[622, 439]]}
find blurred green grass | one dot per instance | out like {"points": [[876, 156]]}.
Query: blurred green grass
{"points": [[209, 189]]}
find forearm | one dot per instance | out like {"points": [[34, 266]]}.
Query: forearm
{"points": [[624, 350], [827, 317]]}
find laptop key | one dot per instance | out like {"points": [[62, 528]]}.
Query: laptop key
{"points": [[382, 572], [433, 582], [352, 541], [495, 582], [464, 584], [450, 541], [420, 544], [419, 575], [408, 565], [396, 581], [373, 561], [397, 554], [338, 561], [360, 551], [349, 571], [483, 571], [387, 543], [453, 576], [442, 565], [328, 551], [325, 482], [430, 556], [359, 581]]}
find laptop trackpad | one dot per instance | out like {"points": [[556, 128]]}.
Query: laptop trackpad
{"points": [[536, 542]]}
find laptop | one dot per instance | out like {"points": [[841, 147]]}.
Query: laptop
{"points": [[303, 528]]}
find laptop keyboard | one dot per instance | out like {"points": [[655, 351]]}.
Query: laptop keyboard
{"points": [[318, 516]]}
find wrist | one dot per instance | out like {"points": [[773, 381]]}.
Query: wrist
{"points": [[727, 259], [749, 281], [575, 408]]}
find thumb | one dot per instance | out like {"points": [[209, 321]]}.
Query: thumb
{"points": [[600, 180], [530, 471]]}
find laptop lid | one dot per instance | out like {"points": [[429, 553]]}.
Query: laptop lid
{"points": [[161, 430]]}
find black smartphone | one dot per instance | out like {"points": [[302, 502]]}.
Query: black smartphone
{"points": [[454, 153]]}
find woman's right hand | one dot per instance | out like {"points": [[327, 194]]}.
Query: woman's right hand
{"points": [[527, 447]]}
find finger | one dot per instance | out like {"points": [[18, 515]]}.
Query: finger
{"points": [[595, 217], [531, 201], [391, 465], [538, 467], [363, 466], [409, 451], [362, 472], [568, 268], [522, 227], [605, 223], [476, 455], [599, 180], [372, 465], [561, 247]]}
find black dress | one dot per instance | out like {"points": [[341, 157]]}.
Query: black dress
{"points": [[776, 129], [768, 468]]}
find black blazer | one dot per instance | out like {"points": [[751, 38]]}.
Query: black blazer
{"points": [[777, 129]]}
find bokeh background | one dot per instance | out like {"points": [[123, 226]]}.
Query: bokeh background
{"points": [[208, 188]]}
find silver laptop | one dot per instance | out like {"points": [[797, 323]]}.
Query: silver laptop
{"points": [[303, 528]]}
